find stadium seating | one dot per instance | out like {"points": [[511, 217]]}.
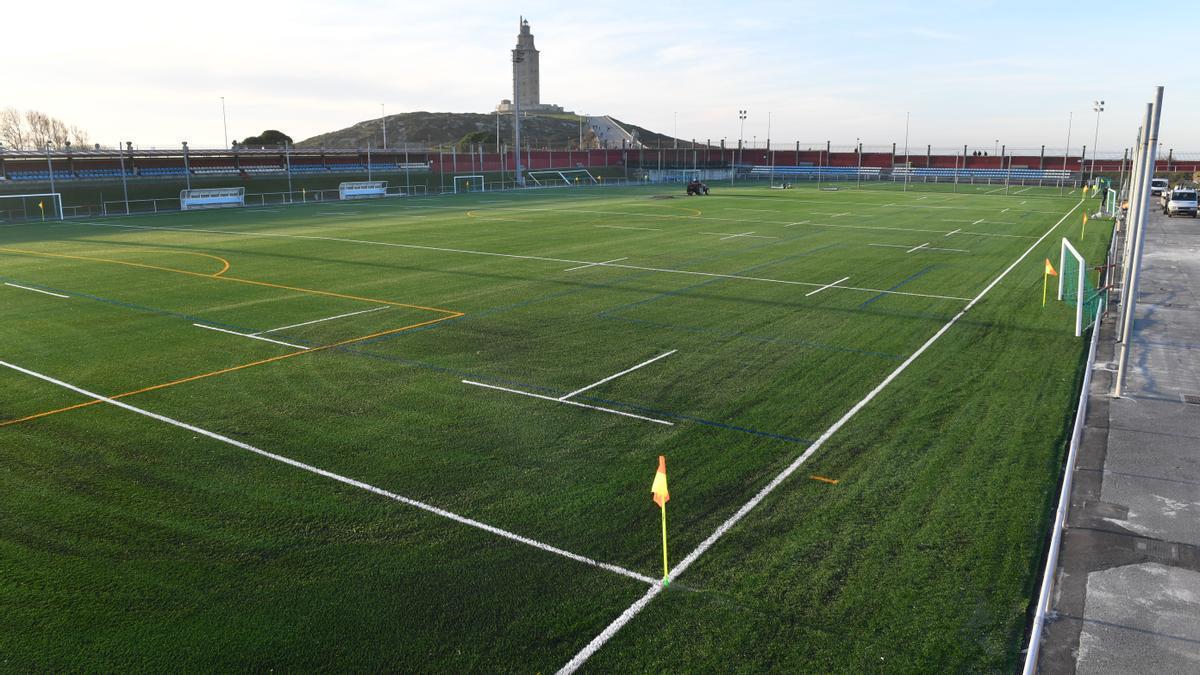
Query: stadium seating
{"points": [[211, 170], [1019, 174], [40, 175], [760, 171], [347, 167], [162, 171], [308, 168], [101, 173]]}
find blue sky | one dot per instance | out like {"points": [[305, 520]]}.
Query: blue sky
{"points": [[970, 72]]}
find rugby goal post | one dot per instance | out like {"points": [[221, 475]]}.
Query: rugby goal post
{"points": [[545, 177], [362, 189], [39, 206], [211, 198], [469, 184]]}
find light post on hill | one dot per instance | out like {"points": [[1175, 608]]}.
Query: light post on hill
{"points": [[1097, 107]]}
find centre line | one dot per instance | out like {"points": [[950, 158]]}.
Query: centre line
{"points": [[613, 377], [572, 269], [826, 286], [36, 290], [249, 335]]}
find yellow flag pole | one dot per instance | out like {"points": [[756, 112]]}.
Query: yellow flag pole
{"points": [[1045, 285], [664, 529]]}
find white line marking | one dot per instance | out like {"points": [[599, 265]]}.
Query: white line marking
{"points": [[931, 248], [890, 245], [613, 377], [662, 270], [748, 235], [730, 208], [917, 248], [1003, 210], [977, 221], [996, 190], [1023, 190], [798, 222], [884, 206], [826, 286], [574, 403], [36, 290], [328, 318], [920, 198], [954, 232], [248, 335], [339, 213], [623, 227], [342, 479], [628, 615], [572, 269]]}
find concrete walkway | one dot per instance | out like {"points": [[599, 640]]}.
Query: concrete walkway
{"points": [[1127, 597]]}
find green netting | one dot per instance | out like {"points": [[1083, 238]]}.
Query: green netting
{"points": [[1093, 298]]}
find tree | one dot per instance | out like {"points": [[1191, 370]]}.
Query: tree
{"points": [[12, 129], [34, 129], [272, 138]]}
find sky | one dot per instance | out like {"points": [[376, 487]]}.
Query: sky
{"points": [[968, 72]]}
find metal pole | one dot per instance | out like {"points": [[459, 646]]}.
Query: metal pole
{"points": [[741, 137], [368, 167], [124, 182], [1070, 119], [675, 134], [858, 147], [50, 166], [907, 165], [225, 122], [1098, 107], [287, 159], [187, 169], [1130, 298], [1133, 218], [518, 55], [383, 123]]}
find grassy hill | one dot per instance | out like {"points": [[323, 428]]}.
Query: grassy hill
{"points": [[437, 129]]}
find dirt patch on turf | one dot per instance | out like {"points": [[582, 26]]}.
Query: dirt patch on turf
{"points": [[662, 197]]}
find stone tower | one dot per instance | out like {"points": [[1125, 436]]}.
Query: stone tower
{"points": [[527, 72]]}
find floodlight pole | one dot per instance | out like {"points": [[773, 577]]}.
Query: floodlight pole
{"points": [[518, 56], [907, 164], [1070, 120], [858, 147], [287, 159], [1129, 296], [1097, 107], [224, 123], [187, 169], [50, 166], [741, 143], [124, 181]]}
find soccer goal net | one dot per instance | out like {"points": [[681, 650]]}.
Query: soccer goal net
{"points": [[363, 189], [211, 198], [1076, 288], [36, 207], [558, 177], [469, 184]]}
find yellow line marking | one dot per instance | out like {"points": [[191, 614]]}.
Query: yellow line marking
{"points": [[823, 479], [224, 262], [231, 369], [224, 278]]}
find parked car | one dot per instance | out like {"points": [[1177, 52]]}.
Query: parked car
{"points": [[1158, 186], [1180, 202]]}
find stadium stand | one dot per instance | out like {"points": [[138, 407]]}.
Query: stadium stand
{"points": [[759, 171]]}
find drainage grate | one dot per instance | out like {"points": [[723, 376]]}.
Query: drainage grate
{"points": [[1191, 398]]}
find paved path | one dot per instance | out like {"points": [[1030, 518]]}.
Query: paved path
{"points": [[1128, 583]]}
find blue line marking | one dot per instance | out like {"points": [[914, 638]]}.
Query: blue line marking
{"points": [[910, 278]]}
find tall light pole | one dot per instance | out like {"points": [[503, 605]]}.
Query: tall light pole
{"points": [[907, 163], [518, 56], [383, 123], [996, 149], [675, 134], [1066, 153], [742, 114], [224, 123], [1097, 107]]}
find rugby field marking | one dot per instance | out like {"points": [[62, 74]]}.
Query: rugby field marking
{"points": [[249, 335], [574, 403], [38, 290]]}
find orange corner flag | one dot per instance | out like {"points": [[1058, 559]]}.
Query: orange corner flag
{"points": [[659, 489], [1050, 268]]}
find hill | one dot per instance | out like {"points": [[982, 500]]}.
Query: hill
{"points": [[439, 129]]}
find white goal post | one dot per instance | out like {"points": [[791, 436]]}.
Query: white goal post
{"points": [[38, 206], [211, 198], [362, 189], [469, 184], [1079, 279]]}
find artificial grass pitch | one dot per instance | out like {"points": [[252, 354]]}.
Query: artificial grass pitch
{"points": [[340, 337]]}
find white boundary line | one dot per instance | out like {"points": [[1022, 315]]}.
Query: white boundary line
{"points": [[610, 378], [826, 286], [574, 403], [572, 269], [922, 247], [626, 227], [418, 247], [36, 290], [918, 247], [628, 615], [309, 323], [342, 479], [954, 232], [248, 335]]}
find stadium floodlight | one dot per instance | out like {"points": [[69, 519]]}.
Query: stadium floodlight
{"points": [[742, 114], [1097, 107]]}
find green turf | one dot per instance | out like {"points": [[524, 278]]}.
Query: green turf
{"points": [[132, 544]]}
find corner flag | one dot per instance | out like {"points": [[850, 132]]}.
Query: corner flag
{"points": [[1049, 272], [661, 497]]}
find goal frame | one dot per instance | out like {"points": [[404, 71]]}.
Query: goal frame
{"points": [[211, 198], [469, 178], [55, 200], [1080, 281]]}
